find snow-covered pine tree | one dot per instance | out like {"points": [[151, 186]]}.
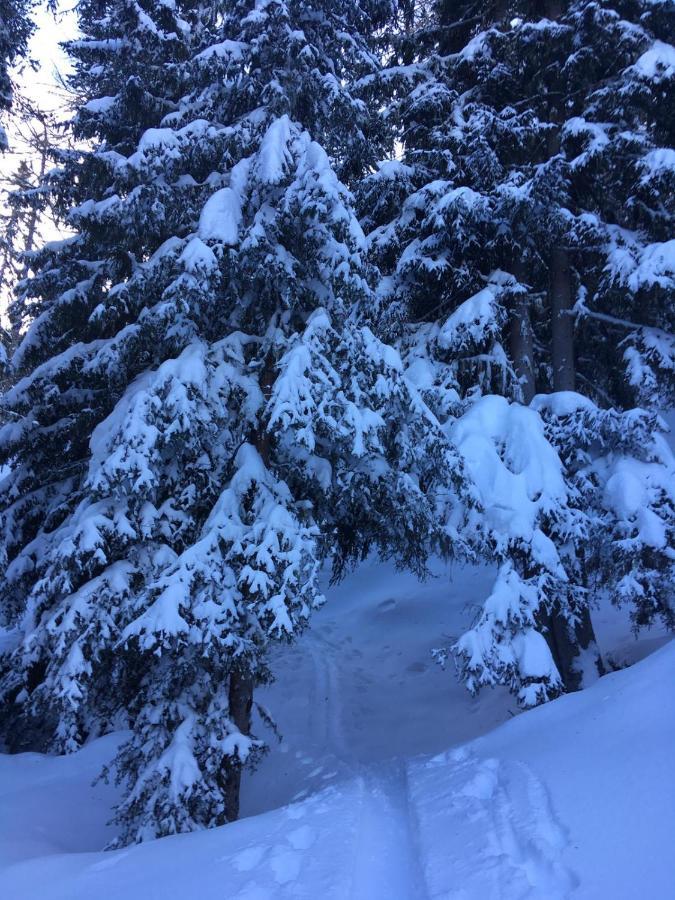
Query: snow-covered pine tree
{"points": [[70, 277], [621, 471], [620, 148], [490, 202], [204, 414]]}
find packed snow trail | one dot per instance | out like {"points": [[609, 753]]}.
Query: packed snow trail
{"points": [[326, 708], [456, 827], [360, 685], [387, 862], [487, 830], [574, 800]]}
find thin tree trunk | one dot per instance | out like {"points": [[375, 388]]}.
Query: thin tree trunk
{"points": [[566, 642], [562, 324], [521, 341], [241, 703], [242, 680], [43, 148]]}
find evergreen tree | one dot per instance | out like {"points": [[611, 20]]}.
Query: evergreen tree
{"points": [[507, 214], [204, 413]]}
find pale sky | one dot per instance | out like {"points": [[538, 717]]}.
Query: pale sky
{"points": [[41, 85]]}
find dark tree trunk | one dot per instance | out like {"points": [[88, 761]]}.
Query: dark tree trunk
{"points": [[566, 643], [553, 8], [562, 324], [521, 341], [242, 680], [241, 702], [43, 149]]}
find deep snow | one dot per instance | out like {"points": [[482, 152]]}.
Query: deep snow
{"points": [[576, 798]]}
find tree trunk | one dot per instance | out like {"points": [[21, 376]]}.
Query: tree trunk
{"points": [[521, 342], [562, 324], [566, 645], [43, 149], [241, 702], [242, 681]]}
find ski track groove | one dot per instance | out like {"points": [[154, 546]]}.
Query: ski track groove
{"points": [[331, 729], [488, 831], [491, 835]]}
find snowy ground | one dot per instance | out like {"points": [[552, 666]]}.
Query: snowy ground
{"points": [[391, 783]]}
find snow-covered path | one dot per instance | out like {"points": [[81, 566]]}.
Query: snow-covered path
{"points": [[360, 686], [487, 830], [386, 857], [391, 783], [455, 826]]}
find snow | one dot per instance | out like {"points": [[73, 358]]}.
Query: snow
{"points": [[562, 403], [657, 162], [100, 104], [643, 266], [477, 46], [658, 62], [470, 321], [631, 488], [516, 471], [158, 137], [197, 255], [393, 168], [233, 51], [221, 216], [274, 155], [403, 788]]}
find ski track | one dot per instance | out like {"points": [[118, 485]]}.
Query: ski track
{"points": [[386, 863], [327, 720], [489, 833]]}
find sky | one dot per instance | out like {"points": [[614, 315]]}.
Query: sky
{"points": [[39, 79]]}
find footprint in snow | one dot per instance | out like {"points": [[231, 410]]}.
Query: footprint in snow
{"points": [[488, 830], [295, 812], [285, 864], [301, 838], [386, 606], [248, 859], [417, 667]]}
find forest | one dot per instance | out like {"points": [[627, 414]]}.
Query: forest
{"points": [[296, 293]]}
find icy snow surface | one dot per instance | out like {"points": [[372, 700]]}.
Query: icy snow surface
{"points": [[391, 782]]}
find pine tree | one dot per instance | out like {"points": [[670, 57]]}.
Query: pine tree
{"points": [[619, 148], [495, 218], [622, 475], [204, 413]]}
